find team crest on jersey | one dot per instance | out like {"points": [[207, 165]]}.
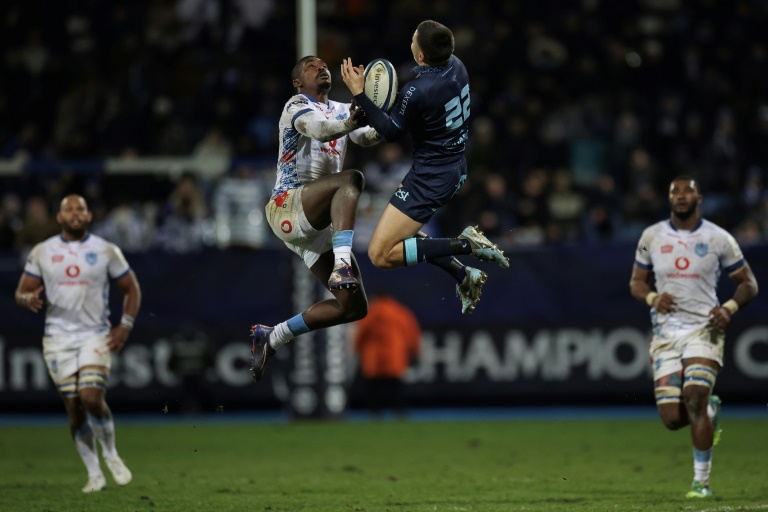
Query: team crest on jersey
{"points": [[90, 258], [701, 249]]}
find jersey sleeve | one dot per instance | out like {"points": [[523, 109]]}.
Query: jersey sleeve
{"points": [[731, 257], [643, 251], [32, 266], [365, 137], [311, 123], [385, 125], [297, 107], [118, 265], [406, 107]]}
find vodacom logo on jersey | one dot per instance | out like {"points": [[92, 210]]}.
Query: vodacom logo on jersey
{"points": [[73, 271], [682, 263], [286, 226]]}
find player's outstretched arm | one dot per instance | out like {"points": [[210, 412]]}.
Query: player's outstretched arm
{"points": [[325, 130]]}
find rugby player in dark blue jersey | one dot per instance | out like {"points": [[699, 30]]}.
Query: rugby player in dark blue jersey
{"points": [[434, 109]]}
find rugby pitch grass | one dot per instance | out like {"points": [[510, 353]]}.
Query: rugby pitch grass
{"points": [[621, 465]]}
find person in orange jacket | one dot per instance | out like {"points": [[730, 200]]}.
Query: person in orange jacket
{"points": [[387, 341]]}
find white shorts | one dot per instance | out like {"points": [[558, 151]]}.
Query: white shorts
{"points": [[667, 353], [66, 358], [285, 215]]}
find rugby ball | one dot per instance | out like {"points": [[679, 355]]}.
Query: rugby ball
{"points": [[381, 83]]}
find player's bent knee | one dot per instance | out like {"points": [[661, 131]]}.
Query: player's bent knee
{"points": [[380, 258], [668, 400], [356, 178], [673, 423], [376, 258]]}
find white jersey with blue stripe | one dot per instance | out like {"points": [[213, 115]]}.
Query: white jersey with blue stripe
{"points": [[302, 159], [76, 277], [687, 265]]}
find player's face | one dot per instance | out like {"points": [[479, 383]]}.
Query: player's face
{"points": [[316, 74], [684, 198], [74, 216]]}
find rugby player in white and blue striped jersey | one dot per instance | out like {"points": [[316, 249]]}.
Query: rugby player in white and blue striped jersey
{"points": [[684, 257]]}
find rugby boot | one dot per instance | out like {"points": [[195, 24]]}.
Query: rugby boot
{"points": [[95, 484], [120, 472], [343, 277], [470, 289], [699, 490], [482, 248], [261, 350]]}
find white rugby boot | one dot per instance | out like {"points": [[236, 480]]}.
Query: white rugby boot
{"points": [[120, 472], [95, 483]]}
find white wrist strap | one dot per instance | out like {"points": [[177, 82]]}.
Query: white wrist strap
{"points": [[731, 306]]}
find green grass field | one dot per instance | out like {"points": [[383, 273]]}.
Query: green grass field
{"points": [[633, 465]]}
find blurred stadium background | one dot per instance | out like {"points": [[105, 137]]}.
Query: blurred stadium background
{"points": [[163, 114]]}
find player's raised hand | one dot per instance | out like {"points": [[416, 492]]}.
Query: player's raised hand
{"points": [[665, 303], [354, 77], [719, 317]]}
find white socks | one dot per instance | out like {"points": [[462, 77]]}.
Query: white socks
{"points": [[280, 336], [341, 255], [85, 442], [104, 428]]}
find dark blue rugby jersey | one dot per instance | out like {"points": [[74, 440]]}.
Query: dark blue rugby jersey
{"points": [[434, 107]]}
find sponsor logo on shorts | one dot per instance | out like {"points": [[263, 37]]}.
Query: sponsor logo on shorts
{"points": [[666, 248], [90, 258], [701, 249], [286, 226], [401, 194]]}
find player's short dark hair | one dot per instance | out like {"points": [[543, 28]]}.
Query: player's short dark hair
{"points": [[436, 42], [687, 177]]}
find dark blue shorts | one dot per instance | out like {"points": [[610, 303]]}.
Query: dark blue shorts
{"points": [[425, 189]]}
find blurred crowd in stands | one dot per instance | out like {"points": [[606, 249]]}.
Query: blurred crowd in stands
{"points": [[582, 112]]}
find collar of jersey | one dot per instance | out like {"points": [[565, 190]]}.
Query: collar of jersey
{"points": [[701, 221], [64, 240], [313, 100], [421, 70]]}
